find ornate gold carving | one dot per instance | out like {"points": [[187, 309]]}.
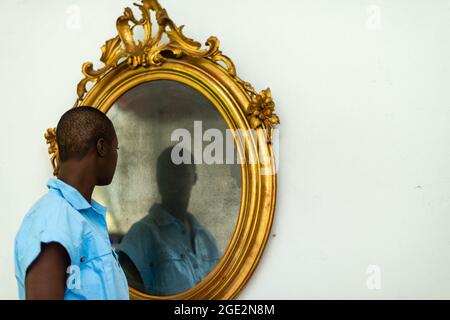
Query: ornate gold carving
{"points": [[152, 52], [260, 112], [50, 137]]}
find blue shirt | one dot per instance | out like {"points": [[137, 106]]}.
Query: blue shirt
{"points": [[64, 216], [159, 246]]}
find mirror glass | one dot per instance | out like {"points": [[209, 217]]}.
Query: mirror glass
{"points": [[175, 198]]}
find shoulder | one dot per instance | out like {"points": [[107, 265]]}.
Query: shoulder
{"points": [[145, 228], [201, 228], [51, 219], [142, 240], [52, 213]]}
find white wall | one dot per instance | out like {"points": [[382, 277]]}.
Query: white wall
{"points": [[365, 110]]}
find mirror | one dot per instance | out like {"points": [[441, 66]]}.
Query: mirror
{"points": [[170, 223]]}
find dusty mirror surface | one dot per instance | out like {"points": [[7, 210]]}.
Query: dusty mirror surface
{"points": [[170, 222]]}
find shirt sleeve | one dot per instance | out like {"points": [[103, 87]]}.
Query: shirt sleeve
{"points": [[60, 226]]}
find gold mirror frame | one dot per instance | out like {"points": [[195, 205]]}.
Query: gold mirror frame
{"points": [[128, 63]]}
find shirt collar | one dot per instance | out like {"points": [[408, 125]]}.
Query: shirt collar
{"points": [[74, 197], [163, 218]]}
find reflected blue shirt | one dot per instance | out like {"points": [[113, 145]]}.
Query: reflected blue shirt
{"points": [[159, 247], [64, 216]]}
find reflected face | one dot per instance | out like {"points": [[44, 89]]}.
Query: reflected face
{"points": [[175, 181], [162, 254]]}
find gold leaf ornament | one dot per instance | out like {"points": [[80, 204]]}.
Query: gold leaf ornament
{"points": [[261, 112], [50, 137], [111, 51]]}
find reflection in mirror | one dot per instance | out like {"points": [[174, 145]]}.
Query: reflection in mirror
{"points": [[172, 211]]}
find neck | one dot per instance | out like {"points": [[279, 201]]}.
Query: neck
{"points": [[80, 176], [178, 211]]}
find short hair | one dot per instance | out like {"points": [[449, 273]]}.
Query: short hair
{"points": [[79, 129]]}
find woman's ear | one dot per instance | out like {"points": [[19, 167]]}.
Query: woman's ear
{"points": [[101, 147]]}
